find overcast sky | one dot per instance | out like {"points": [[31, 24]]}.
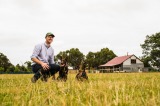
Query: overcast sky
{"points": [[90, 25]]}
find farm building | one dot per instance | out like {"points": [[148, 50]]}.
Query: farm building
{"points": [[129, 63]]}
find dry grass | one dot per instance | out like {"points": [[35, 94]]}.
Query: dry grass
{"points": [[111, 89]]}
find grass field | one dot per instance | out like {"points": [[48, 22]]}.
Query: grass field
{"points": [[110, 89]]}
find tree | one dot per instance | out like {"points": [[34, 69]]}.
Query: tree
{"points": [[75, 57], [28, 63], [24, 69], [62, 55], [1, 69], [106, 55], [55, 59], [17, 69], [90, 59], [4, 62], [10, 69], [146, 61], [151, 49], [99, 57]]}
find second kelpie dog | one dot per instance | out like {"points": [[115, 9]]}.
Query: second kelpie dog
{"points": [[82, 75]]}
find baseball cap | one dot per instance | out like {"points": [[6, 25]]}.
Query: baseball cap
{"points": [[49, 34]]}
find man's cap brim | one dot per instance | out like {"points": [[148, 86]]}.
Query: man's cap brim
{"points": [[50, 34]]}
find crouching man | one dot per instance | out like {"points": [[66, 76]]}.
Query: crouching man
{"points": [[43, 60]]}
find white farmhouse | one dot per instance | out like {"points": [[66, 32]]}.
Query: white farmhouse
{"points": [[129, 63]]}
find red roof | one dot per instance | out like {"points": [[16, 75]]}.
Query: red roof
{"points": [[116, 61]]}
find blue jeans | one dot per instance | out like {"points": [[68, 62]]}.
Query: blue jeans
{"points": [[38, 70]]}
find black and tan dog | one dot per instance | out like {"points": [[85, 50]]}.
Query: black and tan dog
{"points": [[82, 75], [63, 71]]}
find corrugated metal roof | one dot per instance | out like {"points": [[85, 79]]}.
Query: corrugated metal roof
{"points": [[116, 61]]}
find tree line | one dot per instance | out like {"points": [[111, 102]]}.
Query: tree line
{"points": [[7, 67], [74, 57], [93, 59]]}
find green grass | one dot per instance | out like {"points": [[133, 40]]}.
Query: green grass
{"points": [[111, 89]]}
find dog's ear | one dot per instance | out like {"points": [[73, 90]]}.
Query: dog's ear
{"points": [[66, 59]]}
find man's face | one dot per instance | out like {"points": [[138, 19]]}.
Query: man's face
{"points": [[49, 39]]}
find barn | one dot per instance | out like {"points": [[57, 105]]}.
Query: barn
{"points": [[129, 63]]}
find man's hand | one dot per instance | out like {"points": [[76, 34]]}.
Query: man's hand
{"points": [[45, 66]]}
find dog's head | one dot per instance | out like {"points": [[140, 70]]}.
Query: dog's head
{"points": [[63, 61]]}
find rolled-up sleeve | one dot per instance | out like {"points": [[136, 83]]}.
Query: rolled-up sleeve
{"points": [[36, 51]]}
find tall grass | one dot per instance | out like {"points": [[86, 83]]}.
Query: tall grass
{"points": [[111, 89]]}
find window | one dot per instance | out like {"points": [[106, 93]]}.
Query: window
{"points": [[133, 61]]}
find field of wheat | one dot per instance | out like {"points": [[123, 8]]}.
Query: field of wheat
{"points": [[109, 89]]}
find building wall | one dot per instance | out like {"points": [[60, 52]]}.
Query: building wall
{"points": [[128, 61], [128, 67], [133, 68]]}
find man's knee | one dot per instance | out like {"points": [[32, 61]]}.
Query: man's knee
{"points": [[36, 67], [54, 68]]}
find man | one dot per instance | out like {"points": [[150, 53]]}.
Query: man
{"points": [[43, 60]]}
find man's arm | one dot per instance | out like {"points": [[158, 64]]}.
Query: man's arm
{"points": [[51, 58], [35, 55], [45, 66]]}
